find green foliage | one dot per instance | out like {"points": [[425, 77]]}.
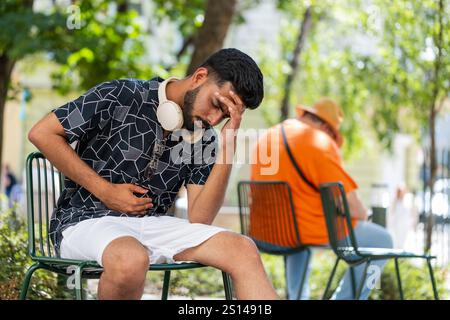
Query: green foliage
{"points": [[326, 68], [411, 67], [379, 61], [274, 70], [14, 261], [415, 282], [26, 32], [91, 42], [274, 266], [334, 76], [187, 14], [415, 278], [108, 45], [192, 283], [188, 17]]}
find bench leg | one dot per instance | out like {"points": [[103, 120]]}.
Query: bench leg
{"points": [[330, 280], [363, 280], [79, 283], [433, 282], [227, 286], [26, 281], [399, 280], [166, 284], [353, 280]]}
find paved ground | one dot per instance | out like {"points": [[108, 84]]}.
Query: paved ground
{"points": [[149, 293]]}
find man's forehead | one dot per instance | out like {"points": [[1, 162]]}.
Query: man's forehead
{"points": [[224, 88]]}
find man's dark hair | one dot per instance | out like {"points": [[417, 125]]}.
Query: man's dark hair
{"points": [[241, 70]]}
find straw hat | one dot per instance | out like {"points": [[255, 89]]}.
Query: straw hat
{"points": [[329, 111]]}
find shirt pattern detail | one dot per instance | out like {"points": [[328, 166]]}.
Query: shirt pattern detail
{"points": [[114, 129]]}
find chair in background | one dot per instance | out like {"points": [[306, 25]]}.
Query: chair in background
{"points": [[44, 184], [343, 242], [267, 215]]}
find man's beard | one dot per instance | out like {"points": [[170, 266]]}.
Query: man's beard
{"points": [[188, 106]]}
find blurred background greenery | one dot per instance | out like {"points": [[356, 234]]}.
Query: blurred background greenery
{"points": [[386, 62]]}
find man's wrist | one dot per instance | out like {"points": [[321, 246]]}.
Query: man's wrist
{"points": [[101, 189]]}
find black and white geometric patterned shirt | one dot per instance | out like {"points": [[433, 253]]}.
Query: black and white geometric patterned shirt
{"points": [[115, 129]]}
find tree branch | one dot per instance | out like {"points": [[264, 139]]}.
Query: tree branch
{"points": [[305, 27]]}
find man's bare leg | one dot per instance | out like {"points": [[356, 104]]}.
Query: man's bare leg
{"points": [[125, 263], [238, 256]]}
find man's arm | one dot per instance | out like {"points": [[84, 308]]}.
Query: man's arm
{"points": [[205, 201], [49, 137], [356, 207]]}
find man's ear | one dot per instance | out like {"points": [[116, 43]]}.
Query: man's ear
{"points": [[199, 77]]}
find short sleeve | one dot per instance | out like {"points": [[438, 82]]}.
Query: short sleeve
{"points": [[89, 112], [203, 159], [330, 169]]}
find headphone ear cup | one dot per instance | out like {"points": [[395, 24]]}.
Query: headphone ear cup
{"points": [[170, 115]]}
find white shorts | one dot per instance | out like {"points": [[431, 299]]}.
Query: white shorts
{"points": [[163, 236]]}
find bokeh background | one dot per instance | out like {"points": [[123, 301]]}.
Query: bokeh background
{"points": [[387, 63]]}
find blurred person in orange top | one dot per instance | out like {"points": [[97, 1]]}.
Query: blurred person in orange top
{"points": [[314, 140]]}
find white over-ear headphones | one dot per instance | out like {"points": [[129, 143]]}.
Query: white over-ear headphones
{"points": [[169, 114]]}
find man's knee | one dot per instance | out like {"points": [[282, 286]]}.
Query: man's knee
{"points": [[126, 260], [248, 246], [243, 246], [241, 253], [381, 237]]}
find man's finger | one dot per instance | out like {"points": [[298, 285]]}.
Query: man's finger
{"points": [[143, 201], [138, 189], [143, 208], [140, 208], [232, 108], [237, 101], [235, 114], [138, 213], [228, 103]]}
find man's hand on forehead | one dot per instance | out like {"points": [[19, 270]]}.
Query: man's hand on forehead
{"points": [[219, 104], [233, 104], [230, 101]]}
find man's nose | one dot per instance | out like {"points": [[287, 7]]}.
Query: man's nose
{"points": [[215, 118]]}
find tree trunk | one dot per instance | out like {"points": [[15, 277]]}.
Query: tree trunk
{"points": [[305, 27], [6, 67], [432, 125], [211, 35], [122, 6]]}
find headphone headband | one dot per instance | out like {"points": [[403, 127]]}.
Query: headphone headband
{"points": [[162, 97]]}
